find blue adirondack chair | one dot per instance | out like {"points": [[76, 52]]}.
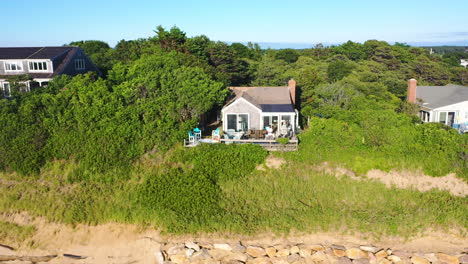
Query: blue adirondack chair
{"points": [[191, 137], [197, 133]]}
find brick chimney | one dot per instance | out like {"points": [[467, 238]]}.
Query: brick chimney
{"points": [[292, 90], [411, 95]]}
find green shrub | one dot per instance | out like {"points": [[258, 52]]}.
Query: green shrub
{"points": [[188, 195], [283, 141]]}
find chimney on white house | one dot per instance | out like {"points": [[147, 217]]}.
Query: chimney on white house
{"points": [[292, 90], [411, 95]]}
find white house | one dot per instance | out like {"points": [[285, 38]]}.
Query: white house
{"points": [[256, 108], [442, 104], [41, 64], [464, 62]]}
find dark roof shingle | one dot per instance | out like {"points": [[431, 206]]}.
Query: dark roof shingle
{"points": [[268, 99], [32, 52], [438, 96]]}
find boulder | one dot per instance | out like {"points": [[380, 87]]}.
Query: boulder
{"points": [[277, 260], [305, 252], [338, 247], [189, 252], [260, 260], [270, 251], [236, 256], [238, 247], [394, 258], [233, 262], [372, 258], [159, 257], [381, 254], [463, 259], [384, 261], [431, 257], [293, 258], [294, 249], [339, 252], [356, 253], [200, 255], [178, 258], [205, 245], [192, 245], [255, 252], [317, 248], [318, 256], [402, 254], [419, 260], [343, 260], [447, 258], [369, 248], [301, 261], [176, 250], [361, 261], [222, 246], [283, 252], [218, 254]]}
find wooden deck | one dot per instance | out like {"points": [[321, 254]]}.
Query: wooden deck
{"points": [[269, 145]]}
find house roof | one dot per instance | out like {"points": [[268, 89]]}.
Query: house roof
{"points": [[62, 56], [438, 96], [267, 99], [32, 52]]}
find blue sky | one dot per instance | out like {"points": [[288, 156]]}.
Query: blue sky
{"points": [[54, 22]]}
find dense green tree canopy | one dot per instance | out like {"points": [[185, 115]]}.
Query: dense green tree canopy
{"points": [[154, 90]]}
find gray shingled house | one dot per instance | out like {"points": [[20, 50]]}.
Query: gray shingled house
{"points": [[255, 108], [442, 104], [41, 64]]}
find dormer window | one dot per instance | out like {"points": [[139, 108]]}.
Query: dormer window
{"points": [[38, 66], [79, 64], [13, 66]]}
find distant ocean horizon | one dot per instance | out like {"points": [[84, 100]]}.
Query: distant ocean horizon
{"points": [[286, 45]]}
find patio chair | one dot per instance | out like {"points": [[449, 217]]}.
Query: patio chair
{"points": [[191, 137], [215, 135], [197, 133], [231, 132]]}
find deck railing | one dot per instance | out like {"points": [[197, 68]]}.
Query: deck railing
{"points": [[270, 145]]}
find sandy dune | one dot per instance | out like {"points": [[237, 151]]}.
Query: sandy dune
{"points": [[119, 243]]}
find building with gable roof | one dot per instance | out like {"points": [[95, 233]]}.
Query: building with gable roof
{"points": [[41, 64], [256, 108], [442, 104]]}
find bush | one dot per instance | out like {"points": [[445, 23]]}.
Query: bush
{"points": [[187, 195], [283, 141]]}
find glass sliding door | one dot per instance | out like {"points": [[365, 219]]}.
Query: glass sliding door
{"points": [[243, 123], [270, 120], [451, 118], [442, 117], [238, 122], [232, 122]]}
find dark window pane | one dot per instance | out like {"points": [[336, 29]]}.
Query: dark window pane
{"points": [[232, 121], [266, 121]]}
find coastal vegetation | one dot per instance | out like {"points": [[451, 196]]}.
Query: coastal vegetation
{"points": [[93, 149]]}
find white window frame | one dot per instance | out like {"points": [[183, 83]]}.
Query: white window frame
{"points": [[80, 64], [455, 115], [38, 61], [237, 118], [18, 63], [9, 89], [292, 117]]}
